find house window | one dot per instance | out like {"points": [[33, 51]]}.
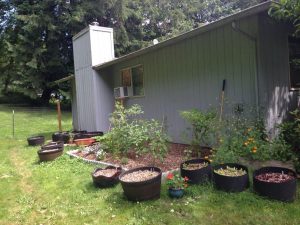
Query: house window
{"points": [[133, 77], [294, 61]]}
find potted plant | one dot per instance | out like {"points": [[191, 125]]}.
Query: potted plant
{"points": [[142, 183], [196, 170], [276, 183], [176, 184], [203, 125], [106, 177], [36, 140], [231, 177]]}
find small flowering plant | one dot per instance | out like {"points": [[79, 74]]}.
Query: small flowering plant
{"points": [[175, 181]]}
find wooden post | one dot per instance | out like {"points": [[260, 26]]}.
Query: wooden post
{"points": [[59, 115], [13, 120]]}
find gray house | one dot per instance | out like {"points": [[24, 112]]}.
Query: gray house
{"points": [[248, 49]]}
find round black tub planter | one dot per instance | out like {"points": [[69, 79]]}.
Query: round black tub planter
{"points": [[285, 191], [231, 183], [49, 155], [104, 181], [142, 190], [53, 145], [92, 134], [61, 136], [197, 176], [36, 140]]}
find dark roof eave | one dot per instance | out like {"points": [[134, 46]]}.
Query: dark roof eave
{"points": [[247, 12]]}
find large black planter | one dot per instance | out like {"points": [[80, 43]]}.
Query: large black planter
{"points": [[199, 175], [53, 145], [49, 155], [231, 184], [78, 134], [285, 191], [36, 140], [144, 190], [103, 181], [61, 136]]}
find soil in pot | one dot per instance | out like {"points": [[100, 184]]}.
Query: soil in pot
{"points": [[197, 170], [106, 177], [143, 183], [276, 183], [231, 177], [49, 154], [36, 140]]}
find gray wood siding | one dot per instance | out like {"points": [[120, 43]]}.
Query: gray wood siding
{"points": [[274, 95], [189, 74]]}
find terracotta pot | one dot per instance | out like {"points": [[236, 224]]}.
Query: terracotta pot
{"points": [[84, 141], [142, 190], [36, 140], [285, 191]]}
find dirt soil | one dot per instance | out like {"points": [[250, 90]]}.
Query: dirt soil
{"points": [[172, 161]]}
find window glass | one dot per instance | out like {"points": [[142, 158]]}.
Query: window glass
{"points": [[137, 81], [294, 60]]}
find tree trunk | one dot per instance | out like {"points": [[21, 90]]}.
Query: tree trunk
{"points": [[46, 96]]}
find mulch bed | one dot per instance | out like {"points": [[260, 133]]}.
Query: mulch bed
{"points": [[172, 160]]}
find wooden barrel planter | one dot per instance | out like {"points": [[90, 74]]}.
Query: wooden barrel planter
{"points": [[36, 140], [61, 136], [236, 183], [92, 134], [106, 177], [49, 154], [196, 171], [53, 145], [140, 190], [276, 183]]}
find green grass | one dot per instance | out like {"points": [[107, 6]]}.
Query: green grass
{"points": [[61, 192]]}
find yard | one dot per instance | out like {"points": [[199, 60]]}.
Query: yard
{"points": [[61, 192]]}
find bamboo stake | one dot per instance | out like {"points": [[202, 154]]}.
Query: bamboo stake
{"points": [[59, 115], [222, 99]]}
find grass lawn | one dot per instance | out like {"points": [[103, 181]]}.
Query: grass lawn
{"points": [[61, 192]]}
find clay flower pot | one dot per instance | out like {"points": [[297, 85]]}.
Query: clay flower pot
{"points": [[279, 189], [36, 140], [137, 190], [84, 141]]}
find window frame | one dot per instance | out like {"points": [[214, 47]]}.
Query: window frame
{"points": [[131, 82]]}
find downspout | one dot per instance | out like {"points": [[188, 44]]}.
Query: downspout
{"points": [[235, 27]]}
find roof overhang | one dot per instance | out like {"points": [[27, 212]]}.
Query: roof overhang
{"points": [[70, 77], [265, 6]]}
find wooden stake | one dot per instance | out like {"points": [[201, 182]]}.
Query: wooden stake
{"points": [[13, 123], [59, 115], [222, 100]]}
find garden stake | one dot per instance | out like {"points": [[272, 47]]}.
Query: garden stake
{"points": [[59, 115], [222, 99], [13, 123]]}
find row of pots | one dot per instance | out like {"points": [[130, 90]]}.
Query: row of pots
{"points": [[150, 188], [65, 137]]}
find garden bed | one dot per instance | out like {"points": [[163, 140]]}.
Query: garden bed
{"points": [[171, 162]]}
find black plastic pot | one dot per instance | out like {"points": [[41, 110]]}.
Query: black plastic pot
{"points": [[285, 191], [61, 136], [78, 134], [196, 176], [231, 184], [92, 134], [144, 190], [53, 145], [103, 181], [49, 155], [36, 140]]}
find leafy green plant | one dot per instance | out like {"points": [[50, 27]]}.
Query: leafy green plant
{"points": [[129, 132], [203, 126]]}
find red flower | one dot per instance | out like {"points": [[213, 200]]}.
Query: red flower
{"points": [[170, 176], [186, 179]]}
